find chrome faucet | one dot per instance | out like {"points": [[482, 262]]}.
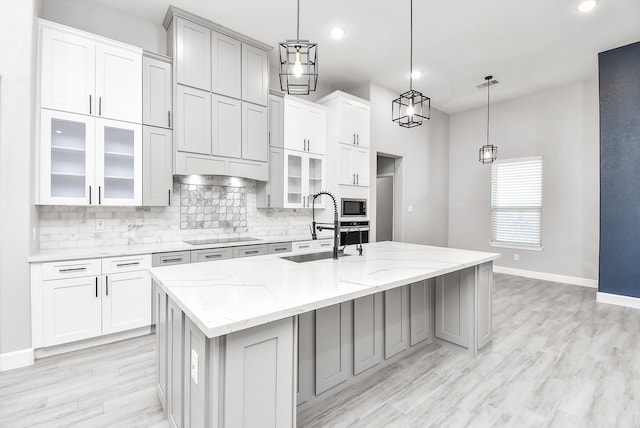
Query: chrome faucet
{"points": [[321, 226]]}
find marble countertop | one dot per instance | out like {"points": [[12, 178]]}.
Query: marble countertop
{"points": [[160, 247], [224, 296]]}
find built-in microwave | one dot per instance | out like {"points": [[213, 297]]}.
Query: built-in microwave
{"points": [[353, 207]]}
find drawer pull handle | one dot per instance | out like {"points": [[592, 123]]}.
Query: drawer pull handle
{"points": [[127, 264], [281, 249], [96, 286], [326, 244], [212, 256], [177, 259], [80, 269], [252, 252], [303, 246], [107, 284]]}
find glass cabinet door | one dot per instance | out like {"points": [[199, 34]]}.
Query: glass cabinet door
{"points": [[66, 159], [293, 177], [315, 179], [119, 163]]}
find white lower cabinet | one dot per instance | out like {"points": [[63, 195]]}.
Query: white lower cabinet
{"points": [[81, 299], [368, 337], [396, 321], [332, 343], [71, 309]]}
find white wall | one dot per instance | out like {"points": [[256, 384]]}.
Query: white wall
{"points": [[17, 43], [424, 173], [107, 22], [562, 126]]}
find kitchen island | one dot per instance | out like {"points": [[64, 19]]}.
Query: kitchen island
{"points": [[244, 342]]}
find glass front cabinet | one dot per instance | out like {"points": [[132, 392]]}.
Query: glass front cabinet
{"points": [[85, 160], [303, 177]]}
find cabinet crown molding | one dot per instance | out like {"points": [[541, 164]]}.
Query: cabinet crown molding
{"points": [[43, 23], [173, 12], [340, 94]]}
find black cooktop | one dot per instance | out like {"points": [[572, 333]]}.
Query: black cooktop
{"points": [[219, 241]]}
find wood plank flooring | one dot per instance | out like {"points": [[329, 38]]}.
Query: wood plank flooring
{"points": [[558, 359]]}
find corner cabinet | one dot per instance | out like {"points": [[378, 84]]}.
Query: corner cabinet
{"points": [[88, 161], [220, 99]]}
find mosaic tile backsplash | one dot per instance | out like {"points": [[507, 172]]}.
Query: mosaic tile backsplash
{"points": [[212, 207]]}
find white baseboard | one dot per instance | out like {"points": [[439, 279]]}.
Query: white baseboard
{"points": [[15, 360], [617, 299], [574, 280]]}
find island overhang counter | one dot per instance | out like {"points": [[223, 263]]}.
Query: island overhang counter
{"points": [[241, 342]]}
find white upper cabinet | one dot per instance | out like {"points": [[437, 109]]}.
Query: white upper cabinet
{"points": [[354, 165], [193, 120], [276, 121], [353, 123], [86, 74], [305, 127], [67, 71], [156, 93], [255, 75], [254, 132], [118, 79], [193, 54], [226, 57], [157, 166], [226, 126]]}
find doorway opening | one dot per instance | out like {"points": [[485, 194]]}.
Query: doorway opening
{"points": [[388, 198]]}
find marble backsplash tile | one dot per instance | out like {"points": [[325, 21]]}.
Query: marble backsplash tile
{"points": [[72, 227], [212, 207]]}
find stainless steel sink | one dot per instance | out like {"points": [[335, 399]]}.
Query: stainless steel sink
{"points": [[312, 257]]}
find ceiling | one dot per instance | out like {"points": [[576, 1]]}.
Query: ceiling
{"points": [[528, 46]]}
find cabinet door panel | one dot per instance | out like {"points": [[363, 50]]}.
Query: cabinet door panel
{"points": [[226, 54], [255, 145], [396, 319], [306, 340], [293, 166], [126, 302], [332, 342], [193, 121], [346, 174], [175, 366], [259, 377], [420, 299], [360, 165], [276, 121], [119, 83], [157, 166], [294, 137], [315, 178], [67, 159], [361, 117], [367, 332], [156, 93], [255, 77], [484, 304], [454, 297], [226, 130], [161, 343], [71, 309], [193, 54], [316, 126], [118, 163], [346, 131], [67, 72]]}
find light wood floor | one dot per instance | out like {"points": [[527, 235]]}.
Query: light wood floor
{"points": [[557, 359]]}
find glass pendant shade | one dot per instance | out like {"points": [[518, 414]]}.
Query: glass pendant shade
{"points": [[298, 67], [488, 153], [410, 109]]}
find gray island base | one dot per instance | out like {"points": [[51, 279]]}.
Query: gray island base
{"points": [[253, 342]]}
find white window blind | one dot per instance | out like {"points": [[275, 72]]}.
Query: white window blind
{"points": [[516, 202]]}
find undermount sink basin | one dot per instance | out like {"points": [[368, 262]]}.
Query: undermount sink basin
{"points": [[302, 258]]}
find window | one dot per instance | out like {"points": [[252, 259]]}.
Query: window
{"points": [[516, 203]]}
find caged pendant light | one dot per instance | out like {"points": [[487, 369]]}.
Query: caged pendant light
{"points": [[298, 64], [488, 153], [411, 107]]}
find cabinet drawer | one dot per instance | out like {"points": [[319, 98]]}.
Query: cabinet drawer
{"points": [[303, 245], [325, 243], [250, 250], [210, 255], [71, 269], [172, 258], [282, 247], [126, 264]]}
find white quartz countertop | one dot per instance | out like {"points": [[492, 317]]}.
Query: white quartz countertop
{"points": [[161, 247], [224, 296]]}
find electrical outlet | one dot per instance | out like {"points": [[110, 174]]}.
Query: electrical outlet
{"points": [[194, 366], [516, 257], [99, 224]]}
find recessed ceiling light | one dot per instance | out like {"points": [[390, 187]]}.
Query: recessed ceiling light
{"points": [[337, 33], [58, 131], [416, 74], [587, 5]]}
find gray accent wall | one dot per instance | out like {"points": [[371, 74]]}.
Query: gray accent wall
{"points": [[619, 170], [562, 126]]}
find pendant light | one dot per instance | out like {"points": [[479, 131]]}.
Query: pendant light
{"points": [[298, 64], [411, 107], [488, 153]]}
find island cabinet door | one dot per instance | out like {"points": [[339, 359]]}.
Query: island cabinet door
{"points": [[420, 311], [484, 279], [332, 346], [306, 339], [368, 332], [396, 321], [259, 386], [454, 303], [160, 301], [175, 369]]}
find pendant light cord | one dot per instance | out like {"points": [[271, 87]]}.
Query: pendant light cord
{"points": [[488, 86], [410, 50], [298, 21]]}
